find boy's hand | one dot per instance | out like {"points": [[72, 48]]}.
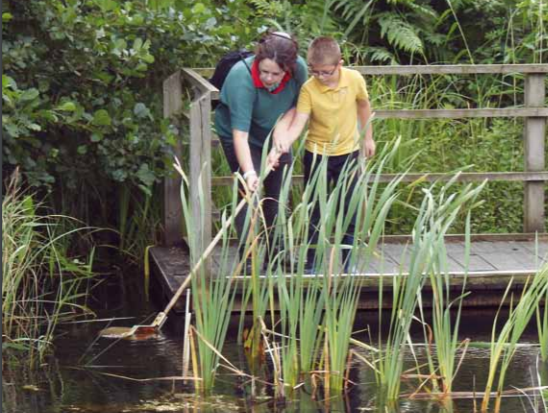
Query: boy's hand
{"points": [[369, 148], [273, 159], [281, 144]]}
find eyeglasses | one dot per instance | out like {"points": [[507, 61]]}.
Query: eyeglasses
{"points": [[322, 73]]}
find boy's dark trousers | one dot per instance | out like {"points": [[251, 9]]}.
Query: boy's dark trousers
{"points": [[272, 186], [336, 165]]}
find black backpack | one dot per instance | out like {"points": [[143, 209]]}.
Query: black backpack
{"points": [[225, 64]]}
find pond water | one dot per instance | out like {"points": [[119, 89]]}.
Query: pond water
{"points": [[88, 374]]}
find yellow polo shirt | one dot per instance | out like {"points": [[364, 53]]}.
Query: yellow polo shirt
{"points": [[333, 124]]}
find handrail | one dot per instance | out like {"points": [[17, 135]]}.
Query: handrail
{"points": [[452, 69], [534, 111]]}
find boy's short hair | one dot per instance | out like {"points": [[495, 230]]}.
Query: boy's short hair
{"points": [[324, 50]]}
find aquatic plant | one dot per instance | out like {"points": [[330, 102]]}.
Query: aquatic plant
{"points": [[504, 345], [212, 300], [371, 205], [426, 250], [41, 284], [542, 326], [442, 364], [542, 323], [302, 299]]}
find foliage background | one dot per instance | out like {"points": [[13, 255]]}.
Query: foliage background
{"points": [[82, 103]]}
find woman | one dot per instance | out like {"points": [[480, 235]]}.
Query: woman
{"points": [[256, 92]]}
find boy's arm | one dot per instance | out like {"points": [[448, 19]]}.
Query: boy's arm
{"points": [[281, 128], [364, 118], [286, 132]]}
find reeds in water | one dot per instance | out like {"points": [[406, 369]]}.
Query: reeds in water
{"points": [[41, 285], [504, 345], [426, 254], [443, 362], [310, 336], [212, 303]]}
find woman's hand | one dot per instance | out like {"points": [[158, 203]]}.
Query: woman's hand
{"points": [[252, 183], [251, 180]]}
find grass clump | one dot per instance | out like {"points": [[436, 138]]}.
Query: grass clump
{"points": [[41, 284]]}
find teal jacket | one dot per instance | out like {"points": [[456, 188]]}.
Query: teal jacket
{"points": [[254, 110]]}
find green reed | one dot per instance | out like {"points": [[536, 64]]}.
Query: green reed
{"points": [[371, 205], [542, 326], [300, 334], [504, 345], [213, 299], [445, 331], [41, 284], [426, 251], [542, 323]]}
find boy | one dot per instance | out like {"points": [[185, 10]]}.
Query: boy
{"points": [[335, 103]]}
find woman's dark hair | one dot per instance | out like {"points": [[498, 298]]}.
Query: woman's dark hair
{"points": [[280, 47]]}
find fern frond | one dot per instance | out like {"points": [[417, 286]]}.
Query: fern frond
{"points": [[400, 34], [380, 54], [424, 11], [268, 8]]}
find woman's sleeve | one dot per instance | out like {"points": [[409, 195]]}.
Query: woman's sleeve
{"points": [[301, 76], [302, 72], [238, 95]]}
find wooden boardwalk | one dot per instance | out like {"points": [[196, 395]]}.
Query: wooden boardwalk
{"points": [[493, 261]]}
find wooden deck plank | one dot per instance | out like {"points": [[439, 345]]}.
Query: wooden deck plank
{"points": [[536, 257], [398, 254], [540, 248], [506, 256], [492, 266], [476, 263]]}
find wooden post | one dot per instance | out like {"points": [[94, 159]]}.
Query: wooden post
{"points": [[534, 145], [172, 216], [200, 172]]}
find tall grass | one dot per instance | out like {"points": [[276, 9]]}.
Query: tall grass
{"points": [[312, 331], [445, 331], [542, 326], [212, 301], [504, 345], [370, 203], [301, 334], [41, 284], [435, 216], [542, 323]]}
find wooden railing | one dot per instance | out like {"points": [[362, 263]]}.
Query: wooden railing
{"points": [[199, 115]]}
